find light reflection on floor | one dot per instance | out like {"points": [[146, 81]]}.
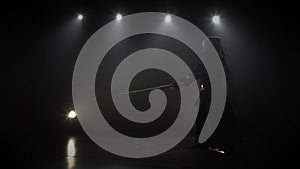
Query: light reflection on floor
{"points": [[71, 152], [81, 152]]}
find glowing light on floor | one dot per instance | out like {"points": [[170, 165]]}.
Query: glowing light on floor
{"points": [[216, 150], [118, 17], [216, 19], [72, 114], [168, 18], [80, 17]]}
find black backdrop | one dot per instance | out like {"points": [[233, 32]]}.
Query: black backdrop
{"points": [[41, 41]]}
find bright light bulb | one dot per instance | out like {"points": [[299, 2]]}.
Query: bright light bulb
{"points": [[80, 17], [216, 19], [72, 114], [119, 17], [168, 18]]}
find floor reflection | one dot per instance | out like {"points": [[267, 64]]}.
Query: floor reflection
{"points": [[81, 152], [71, 152]]}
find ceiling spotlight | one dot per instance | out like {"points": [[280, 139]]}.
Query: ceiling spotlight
{"points": [[80, 17], [118, 17], [216, 19], [72, 114], [168, 18]]}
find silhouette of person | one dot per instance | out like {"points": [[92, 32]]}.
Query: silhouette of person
{"points": [[226, 136]]}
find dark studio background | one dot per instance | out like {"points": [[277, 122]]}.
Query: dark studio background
{"points": [[41, 41]]}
